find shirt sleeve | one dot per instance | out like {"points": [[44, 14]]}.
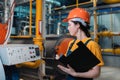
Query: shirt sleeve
{"points": [[96, 50]]}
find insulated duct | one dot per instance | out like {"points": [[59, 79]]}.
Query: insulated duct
{"points": [[53, 2]]}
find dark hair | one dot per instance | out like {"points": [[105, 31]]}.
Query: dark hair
{"points": [[84, 28]]}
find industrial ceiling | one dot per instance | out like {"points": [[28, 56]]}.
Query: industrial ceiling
{"points": [[62, 2]]}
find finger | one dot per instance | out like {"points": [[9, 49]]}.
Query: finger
{"points": [[60, 66]]}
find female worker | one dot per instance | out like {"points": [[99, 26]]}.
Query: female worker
{"points": [[78, 25]]}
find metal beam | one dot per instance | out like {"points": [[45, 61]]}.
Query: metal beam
{"points": [[18, 2]]}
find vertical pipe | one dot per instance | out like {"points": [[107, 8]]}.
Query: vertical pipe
{"points": [[38, 16], [38, 38], [95, 21], [50, 18], [6, 12], [77, 3], [111, 21], [58, 28], [30, 19], [111, 28], [43, 31]]}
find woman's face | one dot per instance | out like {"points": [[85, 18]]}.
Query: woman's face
{"points": [[72, 28]]}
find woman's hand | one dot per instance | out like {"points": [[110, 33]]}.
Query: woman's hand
{"points": [[68, 70], [92, 73]]}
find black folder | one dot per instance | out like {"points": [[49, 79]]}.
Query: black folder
{"points": [[81, 59]]}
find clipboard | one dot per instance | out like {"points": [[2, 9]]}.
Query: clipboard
{"points": [[81, 59]]}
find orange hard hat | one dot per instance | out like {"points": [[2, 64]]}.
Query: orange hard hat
{"points": [[78, 13]]}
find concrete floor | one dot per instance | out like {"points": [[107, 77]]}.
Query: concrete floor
{"points": [[109, 73]]}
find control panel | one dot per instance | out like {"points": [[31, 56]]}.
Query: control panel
{"points": [[18, 53]]}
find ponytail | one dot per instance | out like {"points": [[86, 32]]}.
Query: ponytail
{"points": [[84, 28]]}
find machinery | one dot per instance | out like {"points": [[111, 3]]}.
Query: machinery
{"points": [[5, 29], [30, 34], [2, 73], [14, 54]]}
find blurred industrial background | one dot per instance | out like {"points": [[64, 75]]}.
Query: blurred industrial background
{"points": [[31, 29]]}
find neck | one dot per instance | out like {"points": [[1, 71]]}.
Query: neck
{"points": [[80, 35]]}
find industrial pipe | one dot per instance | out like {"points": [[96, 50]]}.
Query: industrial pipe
{"points": [[5, 28], [30, 19], [21, 36], [95, 21], [53, 2], [111, 1], [77, 3], [88, 2], [38, 39], [31, 64], [115, 51], [108, 33], [30, 24]]}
